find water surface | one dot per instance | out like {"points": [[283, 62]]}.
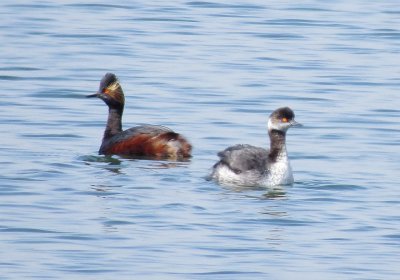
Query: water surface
{"points": [[212, 71]]}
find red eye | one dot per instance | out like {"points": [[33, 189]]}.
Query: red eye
{"points": [[284, 120]]}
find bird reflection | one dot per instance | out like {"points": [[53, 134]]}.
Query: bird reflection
{"points": [[268, 193], [275, 193], [116, 165]]}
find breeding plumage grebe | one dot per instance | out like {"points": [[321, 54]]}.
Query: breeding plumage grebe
{"points": [[247, 165], [140, 141]]}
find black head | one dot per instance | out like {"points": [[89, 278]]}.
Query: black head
{"points": [[281, 119], [110, 91]]}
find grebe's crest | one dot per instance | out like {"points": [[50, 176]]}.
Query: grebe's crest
{"points": [[111, 88]]}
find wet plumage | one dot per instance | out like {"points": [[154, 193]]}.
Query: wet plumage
{"points": [[141, 141]]}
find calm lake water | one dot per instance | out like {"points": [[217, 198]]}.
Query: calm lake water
{"points": [[213, 71]]}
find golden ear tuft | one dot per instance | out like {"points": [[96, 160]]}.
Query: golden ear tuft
{"points": [[113, 86], [284, 119]]}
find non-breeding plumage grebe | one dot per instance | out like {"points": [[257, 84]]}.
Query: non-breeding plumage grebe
{"points": [[140, 141], [247, 165]]}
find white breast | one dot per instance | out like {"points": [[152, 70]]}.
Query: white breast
{"points": [[280, 172]]}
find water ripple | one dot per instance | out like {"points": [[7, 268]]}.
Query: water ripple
{"points": [[212, 70]]}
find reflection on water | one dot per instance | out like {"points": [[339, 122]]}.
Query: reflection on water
{"points": [[275, 192], [105, 188], [165, 165], [116, 164], [100, 159]]}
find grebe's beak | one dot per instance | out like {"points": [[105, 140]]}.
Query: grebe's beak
{"points": [[93, 95], [293, 123]]}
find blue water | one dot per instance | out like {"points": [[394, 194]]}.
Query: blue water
{"points": [[212, 71]]}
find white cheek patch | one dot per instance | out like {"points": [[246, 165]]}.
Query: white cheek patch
{"points": [[277, 125], [274, 126]]}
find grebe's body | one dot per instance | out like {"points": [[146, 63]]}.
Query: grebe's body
{"points": [[141, 141], [248, 165]]}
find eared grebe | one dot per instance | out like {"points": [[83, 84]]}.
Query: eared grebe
{"points": [[140, 141], [247, 165]]}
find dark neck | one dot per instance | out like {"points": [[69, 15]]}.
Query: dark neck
{"points": [[278, 144], [114, 125]]}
